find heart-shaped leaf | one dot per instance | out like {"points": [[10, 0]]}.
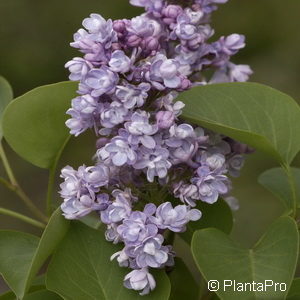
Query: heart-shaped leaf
{"points": [[217, 215], [273, 258], [179, 291], [22, 255], [34, 124], [276, 181], [81, 269], [257, 115], [6, 95]]}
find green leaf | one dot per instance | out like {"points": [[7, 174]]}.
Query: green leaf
{"points": [[81, 269], [8, 296], [180, 274], [55, 231], [42, 295], [274, 257], [22, 255], [6, 95], [277, 182], [16, 253], [36, 295], [92, 220], [37, 284], [294, 291], [39, 280], [257, 115], [34, 124], [217, 215]]}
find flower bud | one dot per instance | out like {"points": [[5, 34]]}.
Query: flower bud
{"points": [[172, 11], [133, 41], [119, 26], [165, 119], [151, 43]]}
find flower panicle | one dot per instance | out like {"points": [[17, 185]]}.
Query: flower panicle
{"points": [[130, 73]]}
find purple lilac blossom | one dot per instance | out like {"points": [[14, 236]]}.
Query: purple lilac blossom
{"points": [[130, 75], [140, 130], [118, 151], [176, 218], [135, 229], [101, 81], [84, 113], [140, 280], [118, 210], [151, 253], [131, 95], [81, 188]]}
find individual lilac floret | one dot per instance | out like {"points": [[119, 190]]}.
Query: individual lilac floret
{"points": [[118, 210], [154, 161], [144, 32], [180, 132], [78, 68], [239, 73], [140, 130], [111, 234], [152, 253], [142, 26], [164, 73], [118, 151], [210, 185], [131, 95], [135, 230], [231, 44], [122, 258], [84, 114], [215, 161], [101, 81], [114, 114], [119, 62], [188, 30], [174, 219], [187, 193], [100, 29], [140, 280]]}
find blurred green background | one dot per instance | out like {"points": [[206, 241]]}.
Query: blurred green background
{"points": [[34, 39]]}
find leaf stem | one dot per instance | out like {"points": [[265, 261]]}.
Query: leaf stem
{"points": [[24, 218], [7, 167], [14, 186]]}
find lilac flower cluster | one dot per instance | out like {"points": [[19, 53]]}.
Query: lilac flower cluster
{"points": [[129, 77]]}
